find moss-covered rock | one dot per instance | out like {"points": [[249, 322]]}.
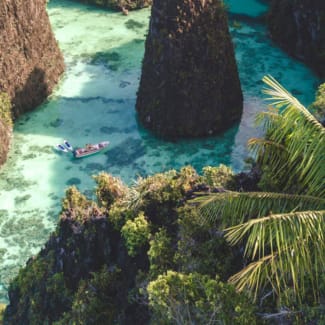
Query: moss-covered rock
{"points": [[299, 27], [5, 126], [189, 84]]}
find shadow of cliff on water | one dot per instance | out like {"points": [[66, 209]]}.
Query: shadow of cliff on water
{"points": [[32, 94]]}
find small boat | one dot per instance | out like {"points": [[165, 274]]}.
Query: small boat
{"points": [[60, 147], [68, 145], [90, 149]]}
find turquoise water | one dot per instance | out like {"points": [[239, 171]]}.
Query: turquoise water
{"points": [[95, 101], [251, 8]]}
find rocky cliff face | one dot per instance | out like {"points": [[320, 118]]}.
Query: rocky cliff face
{"points": [[74, 253], [30, 60], [96, 266], [119, 4], [299, 27], [189, 84]]}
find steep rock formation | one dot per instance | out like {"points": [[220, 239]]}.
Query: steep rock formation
{"points": [[119, 4], [299, 28], [30, 60], [87, 273], [72, 254], [189, 84]]}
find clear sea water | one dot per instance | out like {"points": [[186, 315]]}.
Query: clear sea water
{"points": [[95, 101]]}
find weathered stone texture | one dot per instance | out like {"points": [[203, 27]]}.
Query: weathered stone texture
{"points": [[298, 26], [30, 60], [189, 85]]}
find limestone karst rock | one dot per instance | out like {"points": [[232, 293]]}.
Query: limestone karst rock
{"points": [[189, 85], [299, 28], [30, 59]]}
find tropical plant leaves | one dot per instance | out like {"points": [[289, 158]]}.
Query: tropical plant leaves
{"points": [[302, 136], [284, 247], [283, 234], [232, 208]]}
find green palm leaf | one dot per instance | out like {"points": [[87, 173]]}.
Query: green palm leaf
{"points": [[283, 234], [304, 139], [285, 246], [233, 208]]}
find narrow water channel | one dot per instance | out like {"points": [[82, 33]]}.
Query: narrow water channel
{"points": [[95, 101]]}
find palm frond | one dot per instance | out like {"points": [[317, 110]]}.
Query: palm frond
{"points": [[280, 96], [288, 248], [270, 153], [269, 119], [302, 136], [231, 208]]}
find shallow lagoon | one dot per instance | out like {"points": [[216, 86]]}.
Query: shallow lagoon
{"points": [[95, 101]]}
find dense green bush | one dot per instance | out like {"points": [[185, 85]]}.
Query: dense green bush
{"points": [[221, 176], [202, 248], [177, 298], [39, 291], [135, 233], [76, 206], [109, 189], [160, 195], [160, 253], [318, 106], [96, 301]]}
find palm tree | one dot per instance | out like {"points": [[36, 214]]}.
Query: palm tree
{"points": [[283, 233]]}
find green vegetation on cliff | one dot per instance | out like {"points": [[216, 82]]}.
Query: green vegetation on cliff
{"points": [[5, 125], [5, 110], [103, 255], [318, 106], [144, 255], [282, 232]]}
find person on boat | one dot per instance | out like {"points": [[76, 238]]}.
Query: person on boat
{"points": [[125, 11]]}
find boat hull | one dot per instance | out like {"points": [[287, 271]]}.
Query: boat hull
{"points": [[90, 150]]}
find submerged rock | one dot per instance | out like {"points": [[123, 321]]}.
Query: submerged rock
{"points": [[73, 181], [120, 4], [130, 149], [189, 84], [299, 27]]}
